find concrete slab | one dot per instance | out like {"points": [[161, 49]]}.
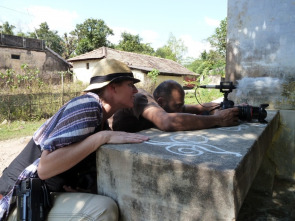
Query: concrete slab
{"points": [[188, 175]]}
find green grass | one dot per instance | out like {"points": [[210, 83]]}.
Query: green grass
{"points": [[17, 129], [203, 96]]}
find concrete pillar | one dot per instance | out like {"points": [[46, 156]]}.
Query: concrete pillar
{"points": [[261, 43]]}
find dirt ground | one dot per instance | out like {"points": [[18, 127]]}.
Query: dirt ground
{"points": [[280, 206], [9, 149]]}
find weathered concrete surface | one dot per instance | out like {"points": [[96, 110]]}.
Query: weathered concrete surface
{"points": [[192, 175], [279, 159], [282, 150], [260, 43]]}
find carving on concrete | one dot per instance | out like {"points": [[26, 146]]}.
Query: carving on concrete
{"points": [[242, 127], [235, 128], [190, 145]]}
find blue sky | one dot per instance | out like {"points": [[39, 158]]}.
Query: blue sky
{"points": [[190, 20]]}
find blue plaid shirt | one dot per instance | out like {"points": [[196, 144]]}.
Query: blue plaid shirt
{"points": [[75, 121]]}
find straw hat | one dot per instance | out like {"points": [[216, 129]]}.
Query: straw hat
{"points": [[107, 71]]}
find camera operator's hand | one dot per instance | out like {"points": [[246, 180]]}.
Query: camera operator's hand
{"points": [[228, 117]]}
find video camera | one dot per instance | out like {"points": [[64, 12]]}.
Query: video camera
{"points": [[33, 200], [247, 112]]}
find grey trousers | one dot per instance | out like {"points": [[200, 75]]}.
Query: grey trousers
{"points": [[79, 206]]}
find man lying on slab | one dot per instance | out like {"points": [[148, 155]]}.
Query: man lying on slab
{"points": [[165, 110]]}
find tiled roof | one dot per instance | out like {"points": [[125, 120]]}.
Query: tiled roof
{"points": [[136, 61]]}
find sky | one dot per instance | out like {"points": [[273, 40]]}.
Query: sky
{"points": [[192, 21]]}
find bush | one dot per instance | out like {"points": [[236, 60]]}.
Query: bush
{"points": [[24, 96]]}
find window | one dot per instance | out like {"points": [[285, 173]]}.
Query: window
{"points": [[87, 65], [15, 56]]}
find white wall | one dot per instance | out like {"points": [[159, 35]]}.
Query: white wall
{"points": [[261, 38], [80, 71], [261, 42], [84, 75]]}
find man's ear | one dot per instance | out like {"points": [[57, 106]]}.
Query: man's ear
{"points": [[111, 87], [160, 101]]}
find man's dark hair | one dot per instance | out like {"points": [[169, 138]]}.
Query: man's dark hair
{"points": [[165, 89]]}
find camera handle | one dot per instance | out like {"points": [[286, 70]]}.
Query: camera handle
{"points": [[225, 88], [226, 103]]}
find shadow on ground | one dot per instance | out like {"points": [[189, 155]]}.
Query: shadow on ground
{"points": [[280, 206]]}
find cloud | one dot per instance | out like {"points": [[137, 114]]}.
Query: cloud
{"points": [[212, 22], [149, 36], [194, 48], [57, 20]]}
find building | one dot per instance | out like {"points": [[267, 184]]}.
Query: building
{"points": [[16, 51], [140, 65]]}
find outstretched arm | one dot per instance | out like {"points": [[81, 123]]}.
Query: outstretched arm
{"points": [[62, 159], [186, 121], [199, 109]]}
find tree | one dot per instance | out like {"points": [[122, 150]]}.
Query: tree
{"points": [[22, 34], [213, 62], [166, 52], [177, 47], [132, 43], [218, 39], [6, 28], [84, 46], [193, 66], [70, 43], [52, 39], [91, 34], [174, 50]]}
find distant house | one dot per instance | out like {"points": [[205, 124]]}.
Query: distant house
{"points": [[15, 51], [140, 65]]}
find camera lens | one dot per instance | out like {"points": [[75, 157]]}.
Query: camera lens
{"points": [[262, 112], [247, 113]]}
